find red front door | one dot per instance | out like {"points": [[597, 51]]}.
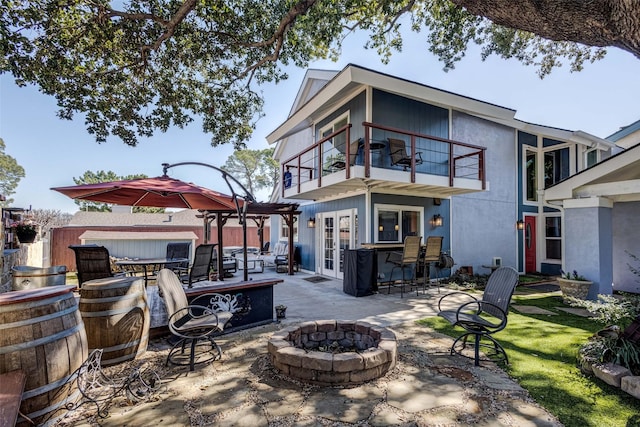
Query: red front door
{"points": [[529, 244]]}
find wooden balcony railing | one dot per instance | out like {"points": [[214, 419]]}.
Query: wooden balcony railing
{"points": [[428, 154]]}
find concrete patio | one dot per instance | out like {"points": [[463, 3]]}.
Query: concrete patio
{"points": [[428, 387]]}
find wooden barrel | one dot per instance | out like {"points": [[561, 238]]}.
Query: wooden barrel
{"points": [[42, 334], [116, 317]]}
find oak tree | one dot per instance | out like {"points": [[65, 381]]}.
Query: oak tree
{"points": [[134, 68]]}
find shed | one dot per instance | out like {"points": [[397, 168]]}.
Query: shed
{"points": [[138, 244]]}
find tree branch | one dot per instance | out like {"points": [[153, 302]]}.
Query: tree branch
{"points": [[594, 23]]}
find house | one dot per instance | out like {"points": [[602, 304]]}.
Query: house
{"points": [[372, 158], [601, 207]]}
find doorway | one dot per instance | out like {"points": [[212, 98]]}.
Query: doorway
{"points": [[530, 261], [338, 231]]}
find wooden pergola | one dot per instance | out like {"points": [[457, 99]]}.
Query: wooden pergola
{"points": [[257, 212]]}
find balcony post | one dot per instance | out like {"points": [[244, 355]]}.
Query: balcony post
{"points": [[451, 165], [413, 159], [367, 151], [348, 152]]}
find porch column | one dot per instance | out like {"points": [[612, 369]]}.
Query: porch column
{"points": [[588, 240]]}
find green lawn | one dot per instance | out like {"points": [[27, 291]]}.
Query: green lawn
{"points": [[542, 354]]}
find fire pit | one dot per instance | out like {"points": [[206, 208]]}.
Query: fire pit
{"points": [[334, 352]]}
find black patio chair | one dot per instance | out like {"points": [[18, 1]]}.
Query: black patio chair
{"points": [[483, 318], [92, 262], [178, 250], [199, 269]]}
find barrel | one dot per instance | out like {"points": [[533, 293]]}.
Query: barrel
{"points": [[27, 277], [116, 317], [42, 334]]}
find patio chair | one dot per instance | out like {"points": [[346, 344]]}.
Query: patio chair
{"points": [[192, 323], [481, 318], [229, 265], [429, 254], [199, 270], [407, 259], [92, 262], [282, 261], [178, 250], [399, 155]]}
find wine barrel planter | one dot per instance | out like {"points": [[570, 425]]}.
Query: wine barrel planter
{"points": [[42, 334], [116, 317]]}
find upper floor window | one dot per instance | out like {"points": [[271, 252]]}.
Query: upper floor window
{"points": [[531, 170], [591, 158], [556, 166]]}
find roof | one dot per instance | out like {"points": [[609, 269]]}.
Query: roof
{"points": [[616, 178], [138, 235], [353, 78], [186, 217], [627, 136]]}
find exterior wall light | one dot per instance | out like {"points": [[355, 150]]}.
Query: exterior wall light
{"points": [[380, 228], [520, 224], [396, 227], [311, 223], [437, 221]]}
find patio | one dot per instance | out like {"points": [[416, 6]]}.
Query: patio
{"points": [[427, 386]]}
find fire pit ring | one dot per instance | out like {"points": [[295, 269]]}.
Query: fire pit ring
{"points": [[296, 352]]}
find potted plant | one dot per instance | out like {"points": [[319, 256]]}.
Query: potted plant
{"points": [[26, 231], [281, 311], [573, 285]]}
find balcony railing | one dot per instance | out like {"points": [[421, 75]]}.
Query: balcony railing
{"points": [[386, 148]]}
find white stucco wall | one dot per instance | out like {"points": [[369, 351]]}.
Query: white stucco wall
{"points": [[483, 224]]}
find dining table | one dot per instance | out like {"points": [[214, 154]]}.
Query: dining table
{"points": [[148, 265]]}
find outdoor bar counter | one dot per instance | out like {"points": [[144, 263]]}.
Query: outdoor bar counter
{"points": [[382, 250], [252, 300]]}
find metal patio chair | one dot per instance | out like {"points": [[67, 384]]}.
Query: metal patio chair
{"points": [[407, 259], [199, 270], [481, 318], [192, 323], [399, 155]]}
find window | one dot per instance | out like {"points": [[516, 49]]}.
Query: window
{"points": [[284, 229], [591, 158], [394, 223], [556, 166], [553, 238], [333, 150], [531, 170]]}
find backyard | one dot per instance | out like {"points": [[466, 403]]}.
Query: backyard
{"points": [[542, 351]]}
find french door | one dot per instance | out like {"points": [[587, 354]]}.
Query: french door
{"points": [[338, 233]]}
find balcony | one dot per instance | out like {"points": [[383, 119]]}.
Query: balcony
{"points": [[384, 160]]}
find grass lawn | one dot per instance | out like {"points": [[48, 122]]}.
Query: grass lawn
{"points": [[542, 354]]}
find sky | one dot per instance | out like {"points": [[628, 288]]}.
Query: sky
{"points": [[599, 100]]}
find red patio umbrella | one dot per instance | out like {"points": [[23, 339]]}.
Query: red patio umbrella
{"points": [[159, 192]]}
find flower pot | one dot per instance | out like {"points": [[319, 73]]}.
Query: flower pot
{"points": [[26, 236], [281, 311], [574, 288]]}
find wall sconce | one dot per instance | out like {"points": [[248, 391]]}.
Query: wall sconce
{"points": [[436, 221], [396, 227], [380, 228], [311, 223], [520, 224]]}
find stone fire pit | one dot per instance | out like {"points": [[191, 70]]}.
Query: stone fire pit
{"points": [[305, 352]]}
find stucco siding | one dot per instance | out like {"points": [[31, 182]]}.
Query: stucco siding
{"points": [[588, 248], [483, 224], [626, 239]]}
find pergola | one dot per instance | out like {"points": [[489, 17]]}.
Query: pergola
{"points": [[257, 212]]}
